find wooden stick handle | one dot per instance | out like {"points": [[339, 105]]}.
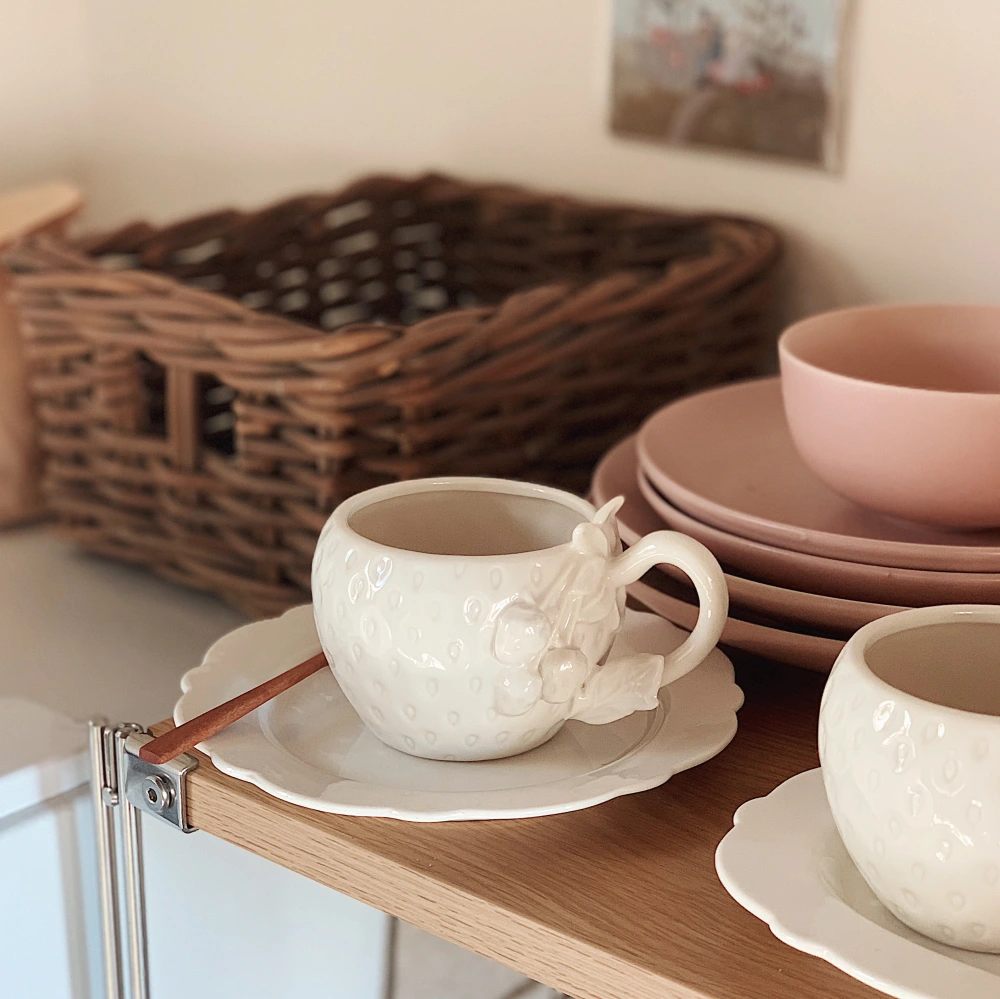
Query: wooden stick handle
{"points": [[204, 726]]}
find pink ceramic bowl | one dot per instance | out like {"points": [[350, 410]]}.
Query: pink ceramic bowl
{"points": [[898, 408]]}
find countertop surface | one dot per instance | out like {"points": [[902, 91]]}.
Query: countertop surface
{"points": [[82, 636]]}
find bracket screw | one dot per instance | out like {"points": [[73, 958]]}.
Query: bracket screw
{"points": [[157, 793]]}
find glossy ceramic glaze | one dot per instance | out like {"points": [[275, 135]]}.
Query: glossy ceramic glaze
{"points": [[309, 747], [468, 619], [616, 475], [785, 862], [898, 408], [909, 741], [726, 457]]}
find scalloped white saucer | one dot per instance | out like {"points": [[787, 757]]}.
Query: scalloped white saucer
{"points": [[785, 862], [308, 746]]}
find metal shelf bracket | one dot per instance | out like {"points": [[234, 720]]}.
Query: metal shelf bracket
{"points": [[122, 786]]}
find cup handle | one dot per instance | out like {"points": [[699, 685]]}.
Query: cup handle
{"points": [[700, 565]]}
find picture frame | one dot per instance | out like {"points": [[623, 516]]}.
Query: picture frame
{"points": [[751, 77]]}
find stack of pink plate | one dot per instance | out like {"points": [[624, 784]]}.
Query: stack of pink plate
{"points": [[805, 567]]}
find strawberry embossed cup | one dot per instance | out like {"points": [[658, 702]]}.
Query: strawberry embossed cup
{"points": [[469, 618], [909, 740]]}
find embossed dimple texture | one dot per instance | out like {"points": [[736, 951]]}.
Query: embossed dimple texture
{"points": [[915, 792], [442, 657]]}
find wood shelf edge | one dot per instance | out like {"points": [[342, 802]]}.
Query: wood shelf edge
{"points": [[301, 841], [619, 901]]}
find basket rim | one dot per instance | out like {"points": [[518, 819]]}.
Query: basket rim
{"points": [[38, 260]]}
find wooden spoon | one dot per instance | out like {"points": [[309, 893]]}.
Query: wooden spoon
{"points": [[204, 726]]}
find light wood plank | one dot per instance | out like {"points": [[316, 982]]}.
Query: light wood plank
{"points": [[36, 209], [620, 901]]}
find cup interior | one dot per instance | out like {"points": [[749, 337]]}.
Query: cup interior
{"points": [[946, 348], [955, 664], [467, 522]]}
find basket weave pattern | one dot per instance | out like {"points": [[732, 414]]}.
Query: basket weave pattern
{"points": [[209, 391]]}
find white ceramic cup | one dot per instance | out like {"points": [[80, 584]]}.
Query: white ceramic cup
{"points": [[909, 739], [469, 618]]}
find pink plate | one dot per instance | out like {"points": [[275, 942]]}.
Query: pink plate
{"points": [[616, 476], [853, 580], [726, 457], [790, 647]]}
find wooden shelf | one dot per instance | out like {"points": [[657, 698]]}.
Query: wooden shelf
{"points": [[620, 901]]}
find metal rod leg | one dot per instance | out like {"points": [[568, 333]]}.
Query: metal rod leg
{"points": [[124, 786], [102, 794], [135, 900]]}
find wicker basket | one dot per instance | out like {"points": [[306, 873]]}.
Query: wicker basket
{"points": [[207, 392]]}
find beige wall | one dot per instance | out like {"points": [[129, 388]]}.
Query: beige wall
{"points": [[44, 90], [203, 103]]}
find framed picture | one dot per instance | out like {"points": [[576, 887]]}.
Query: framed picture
{"points": [[743, 76]]}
